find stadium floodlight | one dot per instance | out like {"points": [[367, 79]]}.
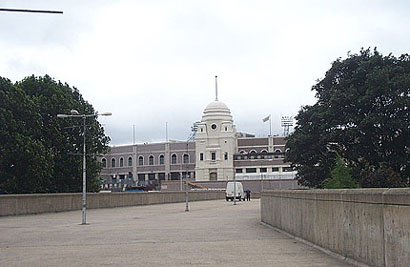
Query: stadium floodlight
{"points": [[287, 121]]}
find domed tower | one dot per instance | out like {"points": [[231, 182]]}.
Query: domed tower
{"points": [[215, 143]]}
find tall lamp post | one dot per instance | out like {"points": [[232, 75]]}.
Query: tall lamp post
{"points": [[76, 114], [194, 128]]}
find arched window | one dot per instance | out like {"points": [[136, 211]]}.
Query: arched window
{"points": [[174, 159], [140, 160], [104, 163], [161, 160], [151, 160], [129, 161], [242, 152], [186, 158], [277, 153], [253, 154], [121, 162], [113, 163], [264, 152]]}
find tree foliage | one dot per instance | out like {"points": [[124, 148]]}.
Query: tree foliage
{"points": [[340, 177], [39, 152], [362, 112]]}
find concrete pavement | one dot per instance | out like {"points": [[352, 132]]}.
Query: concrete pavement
{"points": [[213, 233]]}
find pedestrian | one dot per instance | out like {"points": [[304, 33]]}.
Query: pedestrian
{"points": [[248, 194]]}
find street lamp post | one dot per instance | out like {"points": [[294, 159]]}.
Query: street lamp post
{"points": [[76, 114], [234, 189], [194, 128]]}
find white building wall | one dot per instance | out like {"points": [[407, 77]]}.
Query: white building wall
{"points": [[216, 134]]}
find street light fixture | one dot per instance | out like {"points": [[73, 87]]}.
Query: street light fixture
{"points": [[194, 129], [76, 114]]}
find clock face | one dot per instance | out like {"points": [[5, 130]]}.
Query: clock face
{"points": [[213, 126]]}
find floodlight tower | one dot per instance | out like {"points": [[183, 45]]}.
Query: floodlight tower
{"points": [[287, 121]]}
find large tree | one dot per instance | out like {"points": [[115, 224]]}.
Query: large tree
{"points": [[362, 113], [40, 153]]}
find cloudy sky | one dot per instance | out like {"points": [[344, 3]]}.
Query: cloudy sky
{"points": [[153, 62]]}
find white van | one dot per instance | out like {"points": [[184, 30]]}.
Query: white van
{"points": [[230, 191]]}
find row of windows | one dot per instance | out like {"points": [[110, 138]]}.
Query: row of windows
{"points": [[263, 155], [213, 156], [259, 156], [161, 160], [262, 170], [264, 151]]}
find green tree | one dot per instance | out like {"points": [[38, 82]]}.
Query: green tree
{"points": [[382, 177], [23, 157], [340, 177], [363, 112], [52, 162]]}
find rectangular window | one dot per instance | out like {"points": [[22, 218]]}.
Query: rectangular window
{"points": [[151, 176], [250, 170], [141, 177], [287, 169], [175, 176], [226, 156], [238, 170], [201, 156], [213, 156], [275, 169], [264, 170]]}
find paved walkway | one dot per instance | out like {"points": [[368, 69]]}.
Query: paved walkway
{"points": [[213, 233]]}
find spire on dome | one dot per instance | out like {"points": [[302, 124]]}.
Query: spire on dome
{"points": [[216, 88]]}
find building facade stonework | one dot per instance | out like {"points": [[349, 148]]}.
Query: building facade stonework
{"points": [[215, 144], [218, 153]]}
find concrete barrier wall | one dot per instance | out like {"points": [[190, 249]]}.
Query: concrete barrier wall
{"points": [[371, 226], [41, 203], [254, 185]]}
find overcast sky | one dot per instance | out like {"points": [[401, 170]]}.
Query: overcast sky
{"points": [[152, 62]]}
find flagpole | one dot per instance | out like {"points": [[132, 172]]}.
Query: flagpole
{"points": [[270, 123]]}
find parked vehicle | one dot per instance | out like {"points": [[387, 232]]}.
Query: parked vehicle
{"points": [[230, 191]]}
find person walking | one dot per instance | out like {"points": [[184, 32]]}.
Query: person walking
{"points": [[248, 194]]}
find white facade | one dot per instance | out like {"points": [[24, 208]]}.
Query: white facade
{"points": [[215, 144]]}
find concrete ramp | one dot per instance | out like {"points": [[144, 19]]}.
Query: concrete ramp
{"points": [[213, 233]]}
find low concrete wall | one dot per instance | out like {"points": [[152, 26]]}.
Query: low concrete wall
{"points": [[41, 203], [371, 226], [254, 185]]}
